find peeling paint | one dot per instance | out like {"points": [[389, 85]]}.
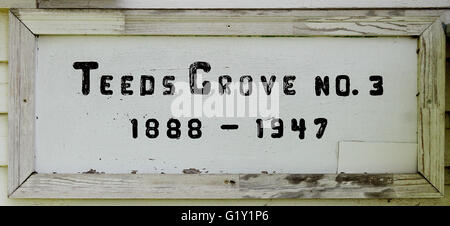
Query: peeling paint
{"points": [[191, 171], [378, 180], [388, 192], [91, 171], [232, 182], [248, 176], [289, 195], [311, 179]]}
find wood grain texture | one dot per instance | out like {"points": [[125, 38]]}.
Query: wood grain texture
{"points": [[203, 186], [205, 4], [447, 177], [4, 200], [447, 76], [18, 4], [229, 22], [21, 103], [447, 147], [431, 104]]}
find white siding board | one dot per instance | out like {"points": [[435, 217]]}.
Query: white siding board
{"points": [[4, 87], [4, 97], [18, 3], [3, 139], [4, 73], [3, 151], [4, 35]]}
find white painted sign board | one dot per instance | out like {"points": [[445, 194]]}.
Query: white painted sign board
{"points": [[134, 117]]}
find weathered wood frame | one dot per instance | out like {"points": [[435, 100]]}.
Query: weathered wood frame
{"points": [[27, 24]]}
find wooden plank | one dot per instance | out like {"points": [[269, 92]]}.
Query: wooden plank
{"points": [[72, 22], [3, 151], [447, 176], [377, 157], [168, 186], [3, 72], [3, 35], [242, 4], [447, 78], [4, 87], [227, 22], [21, 121], [3, 125], [226, 186], [431, 104], [3, 139], [4, 200], [337, 186], [447, 147], [447, 73], [18, 4]]}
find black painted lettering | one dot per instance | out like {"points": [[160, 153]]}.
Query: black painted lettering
{"points": [[287, 85], [339, 91], [125, 85], [249, 81], [194, 126], [144, 89], [378, 85], [322, 85], [104, 84], [152, 128], [323, 125], [277, 124], [85, 67], [134, 129], [173, 128], [300, 127], [167, 84], [268, 86], [259, 128], [193, 78], [223, 87]]}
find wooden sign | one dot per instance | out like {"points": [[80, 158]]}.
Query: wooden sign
{"points": [[137, 104], [202, 112]]}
